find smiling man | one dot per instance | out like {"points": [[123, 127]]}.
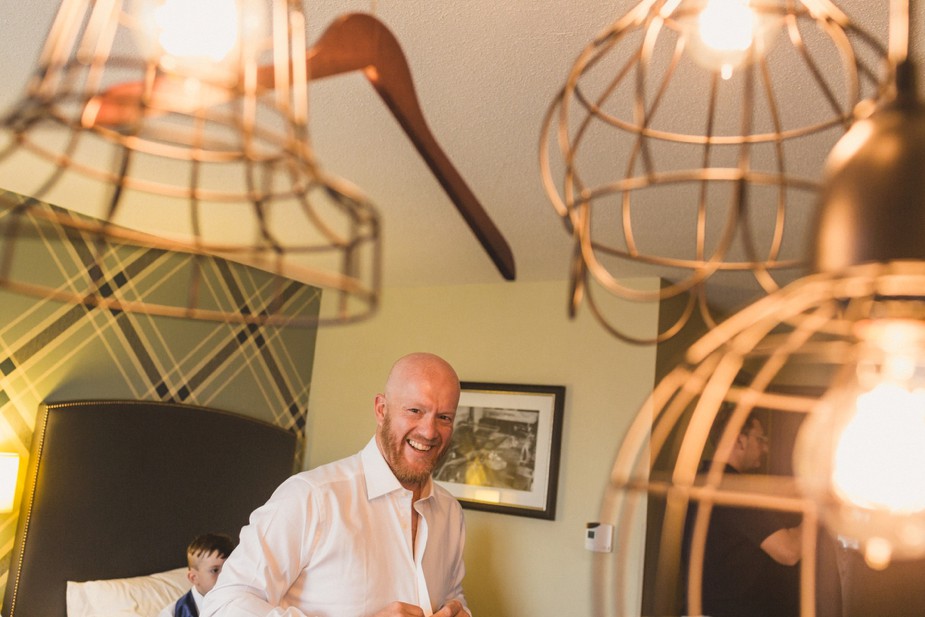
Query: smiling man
{"points": [[371, 535]]}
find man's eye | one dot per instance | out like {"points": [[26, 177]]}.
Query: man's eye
{"points": [[448, 419]]}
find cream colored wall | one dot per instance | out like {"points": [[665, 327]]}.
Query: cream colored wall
{"points": [[508, 333]]}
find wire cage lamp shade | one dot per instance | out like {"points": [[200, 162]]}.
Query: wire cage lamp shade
{"points": [[204, 148], [652, 125], [794, 357], [835, 365]]}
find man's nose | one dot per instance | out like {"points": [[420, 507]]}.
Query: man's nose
{"points": [[427, 426]]}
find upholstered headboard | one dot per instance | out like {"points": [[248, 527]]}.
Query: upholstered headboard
{"points": [[118, 488]]}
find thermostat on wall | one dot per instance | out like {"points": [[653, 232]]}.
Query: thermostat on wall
{"points": [[599, 537]]}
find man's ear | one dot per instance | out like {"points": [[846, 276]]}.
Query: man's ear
{"points": [[380, 408], [741, 441]]}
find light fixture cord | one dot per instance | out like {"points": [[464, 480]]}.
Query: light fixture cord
{"points": [[900, 35]]}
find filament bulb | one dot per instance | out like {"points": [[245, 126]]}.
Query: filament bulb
{"points": [[861, 453], [727, 25], [723, 34], [202, 39], [202, 29]]}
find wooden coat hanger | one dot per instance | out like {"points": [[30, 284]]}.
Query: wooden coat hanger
{"points": [[360, 42], [354, 42]]}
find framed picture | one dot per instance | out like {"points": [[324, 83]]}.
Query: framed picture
{"points": [[504, 454]]}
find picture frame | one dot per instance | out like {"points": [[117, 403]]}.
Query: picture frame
{"points": [[504, 453]]}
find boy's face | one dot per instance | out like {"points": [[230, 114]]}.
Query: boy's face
{"points": [[204, 570]]}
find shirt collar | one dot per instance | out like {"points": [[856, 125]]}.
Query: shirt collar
{"points": [[379, 477], [197, 597]]}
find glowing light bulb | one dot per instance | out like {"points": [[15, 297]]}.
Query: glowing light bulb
{"points": [[724, 34], [200, 49], [727, 25], [861, 454], [880, 445], [202, 39], [197, 29]]}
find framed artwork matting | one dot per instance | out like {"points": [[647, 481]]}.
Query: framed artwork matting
{"points": [[504, 453]]}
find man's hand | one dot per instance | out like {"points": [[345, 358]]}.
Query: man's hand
{"points": [[785, 546], [451, 609], [400, 609]]}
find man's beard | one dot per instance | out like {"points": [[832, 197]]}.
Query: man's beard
{"points": [[405, 473]]}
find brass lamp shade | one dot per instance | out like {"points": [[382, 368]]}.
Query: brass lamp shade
{"points": [[733, 193], [873, 207], [189, 155], [845, 343]]}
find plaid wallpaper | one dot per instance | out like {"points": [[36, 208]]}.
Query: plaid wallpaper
{"points": [[51, 351]]}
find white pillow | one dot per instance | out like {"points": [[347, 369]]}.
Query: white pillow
{"points": [[139, 596]]}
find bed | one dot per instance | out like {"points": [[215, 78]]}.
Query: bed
{"points": [[116, 489]]}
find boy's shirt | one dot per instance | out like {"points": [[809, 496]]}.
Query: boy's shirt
{"points": [[170, 610]]}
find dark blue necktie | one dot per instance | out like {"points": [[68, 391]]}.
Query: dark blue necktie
{"points": [[186, 606]]}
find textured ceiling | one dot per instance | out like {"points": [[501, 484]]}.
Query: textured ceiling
{"points": [[485, 73]]}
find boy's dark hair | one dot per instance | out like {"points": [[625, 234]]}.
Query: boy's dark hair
{"points": [[208, 543]]}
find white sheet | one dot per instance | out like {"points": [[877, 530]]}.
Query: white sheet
{"points": [[139, 596]]}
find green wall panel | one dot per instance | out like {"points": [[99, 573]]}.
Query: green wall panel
{"points": [[51, 351]]}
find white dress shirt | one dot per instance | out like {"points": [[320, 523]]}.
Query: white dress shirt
{"points": [[335, 541], [167, 611]]}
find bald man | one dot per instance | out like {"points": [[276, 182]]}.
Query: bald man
{"points": [[370, 535]]}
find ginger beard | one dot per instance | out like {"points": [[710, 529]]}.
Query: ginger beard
{"points": [[410, 465]]}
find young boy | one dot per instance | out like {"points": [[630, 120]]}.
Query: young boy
{"points": [[205, 556]]}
